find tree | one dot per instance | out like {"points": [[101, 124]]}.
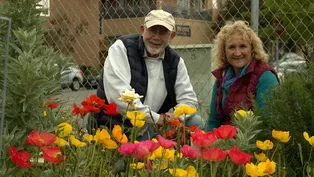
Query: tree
{"points": [[295, 17]]}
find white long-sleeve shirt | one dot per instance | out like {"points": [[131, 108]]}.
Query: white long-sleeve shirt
{"points": [[117, 78]]}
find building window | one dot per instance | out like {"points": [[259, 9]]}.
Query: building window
{"points": [[183, 4], [44, 5]]}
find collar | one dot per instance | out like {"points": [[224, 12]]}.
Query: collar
{"points": [[161, 56]]}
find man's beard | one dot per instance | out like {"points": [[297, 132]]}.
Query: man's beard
{"points": [[154, 51]]}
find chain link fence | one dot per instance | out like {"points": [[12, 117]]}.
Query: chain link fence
{"points": [[85, 29]]}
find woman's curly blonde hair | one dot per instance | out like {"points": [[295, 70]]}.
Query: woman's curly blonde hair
{"points": [[242, 28]]}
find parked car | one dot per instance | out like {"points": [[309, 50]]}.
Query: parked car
{"points": [[290, 63], [91, 81], [72, 77]]}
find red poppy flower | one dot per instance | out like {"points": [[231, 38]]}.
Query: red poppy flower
{"points": [[166, 143], [171, 132], [225, 131], [90, 108], [79, 111], [193, 128], [93, 100], [174, 122], [20, 158], [190, 152], [51, 103], [214, 154], [201, 139], [40, 139], [238, 157], [53, 154], [110, 109]]}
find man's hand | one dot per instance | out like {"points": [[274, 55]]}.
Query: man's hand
{"points": [[165, 118]]}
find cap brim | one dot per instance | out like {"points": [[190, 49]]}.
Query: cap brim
{"points": [[158, 22]]}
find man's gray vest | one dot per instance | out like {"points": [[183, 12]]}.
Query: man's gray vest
{"points": [[139, 78]]}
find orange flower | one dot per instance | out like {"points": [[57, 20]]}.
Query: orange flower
{"points": [[40, 139], [118, 135], [53, 154], [174, 122]]}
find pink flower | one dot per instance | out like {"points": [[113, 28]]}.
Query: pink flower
{"points": [[166, 143], [149, 165], [225, 131], [127, 148], [145, 148], [203, 140], [238, 157], [188, 151], [214, 154]]}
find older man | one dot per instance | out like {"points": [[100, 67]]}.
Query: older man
{"points": [[146, 63]]}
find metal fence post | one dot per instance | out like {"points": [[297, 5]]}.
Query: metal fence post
{"points": [[254, 14], [5, 71]]}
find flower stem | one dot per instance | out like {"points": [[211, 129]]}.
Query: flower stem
{"points": [[90, 162]]}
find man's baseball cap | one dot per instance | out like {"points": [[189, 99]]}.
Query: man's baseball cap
{"points": [[159, 17]]}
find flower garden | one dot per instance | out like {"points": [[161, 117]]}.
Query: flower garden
{"points": [[230, 150]]}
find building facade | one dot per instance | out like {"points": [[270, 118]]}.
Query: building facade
{"points": [[84, 29]]}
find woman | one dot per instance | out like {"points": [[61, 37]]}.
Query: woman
{"points": [[243, 73]]}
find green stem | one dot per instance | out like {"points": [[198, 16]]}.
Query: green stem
{"points": [[225, 166], [201, 165], [90, 162]]}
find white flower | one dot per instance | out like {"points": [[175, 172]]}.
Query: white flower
{"points": [[129, 96]]}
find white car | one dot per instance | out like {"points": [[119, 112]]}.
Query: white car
{"points": [[72, 77], [290, 63]]}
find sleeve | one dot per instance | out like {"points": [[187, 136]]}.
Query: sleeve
{"points": [[213, 121], [183, 87], [263, 89], [117, 77]]}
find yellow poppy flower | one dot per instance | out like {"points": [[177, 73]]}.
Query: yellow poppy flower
{"points": [[138, 165], [101, 135], [255, 171], [162, 153], [270, 167], [266, 145], [161, 165], [89, 138], [129, 96], [138, 115], [60, 142], [178, 172], [183, 109], [45, 113], [64, 129], [282, 136], [243, 114], [76, 142], [260, 157], [191, 172], [118, 135], [308, 138], [110, 144]]}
